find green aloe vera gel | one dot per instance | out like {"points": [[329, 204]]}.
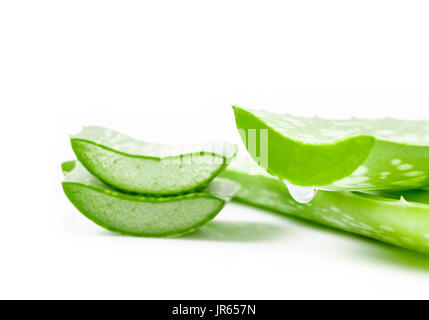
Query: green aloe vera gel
{"points": [[143, 215], [398, 218], [339, 155], [146, 168]]}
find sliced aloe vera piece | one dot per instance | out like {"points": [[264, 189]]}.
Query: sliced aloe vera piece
{"points": [[339, 155], [140, 167], [401, 219], [143, 216]]}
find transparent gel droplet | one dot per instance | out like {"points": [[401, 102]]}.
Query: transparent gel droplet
{"points": [[301, 194]]}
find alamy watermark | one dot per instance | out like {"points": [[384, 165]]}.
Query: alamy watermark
{"points": [[255, 141]]}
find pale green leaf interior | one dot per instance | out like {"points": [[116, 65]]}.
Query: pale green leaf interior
{"points": [[140, 167], [140, 215]]}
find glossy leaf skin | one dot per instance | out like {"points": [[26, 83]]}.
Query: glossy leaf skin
{"points": [[387, 217], [342, 155], [139, 215], [146, 168]]}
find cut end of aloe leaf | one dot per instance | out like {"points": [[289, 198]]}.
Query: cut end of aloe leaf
{"points": [[400, 218], [140, 167], [338, 155], [144, 216], [68, 166]]}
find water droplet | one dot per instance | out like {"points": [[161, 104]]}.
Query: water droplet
{"points": [[301, 194]]}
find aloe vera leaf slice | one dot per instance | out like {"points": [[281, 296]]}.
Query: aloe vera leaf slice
{"points": [[401, 219], [139, 215], [341, 155], [152, 169]]}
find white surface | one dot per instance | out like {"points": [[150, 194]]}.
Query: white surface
{"points": [[168, 71]]}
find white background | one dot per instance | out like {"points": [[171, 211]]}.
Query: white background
{"points": [[168, 71]]}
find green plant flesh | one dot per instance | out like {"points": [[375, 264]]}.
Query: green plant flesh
{"points": [[398, 218], [143, 216], [146, 168], [339, 155]]}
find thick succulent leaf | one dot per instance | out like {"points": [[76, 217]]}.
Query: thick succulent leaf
{"points": [[336, 155], [140, 167], [143, 216], [398, 218]]}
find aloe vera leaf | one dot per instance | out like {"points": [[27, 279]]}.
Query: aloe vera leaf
{"points": [[401, 219], [139, 215], [341, 155], [152, 169]]}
